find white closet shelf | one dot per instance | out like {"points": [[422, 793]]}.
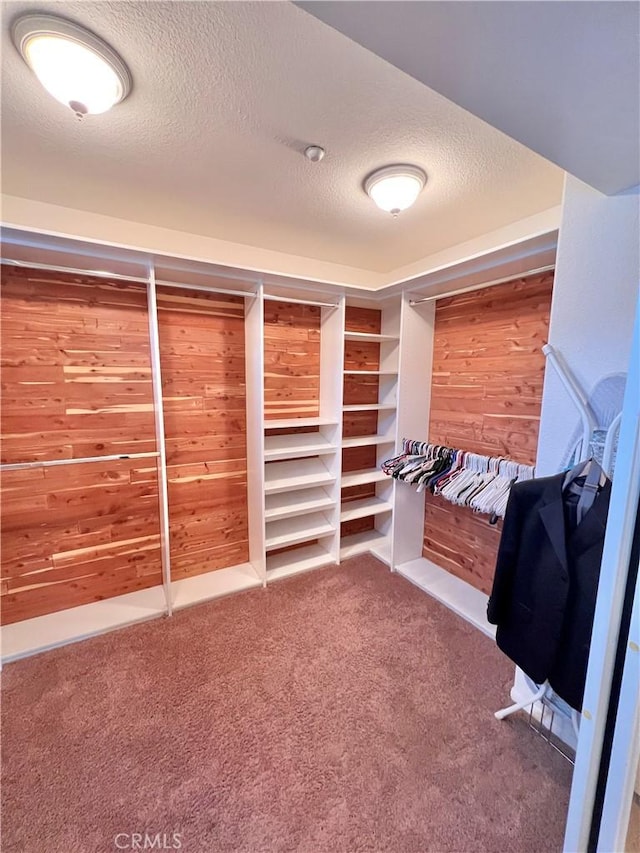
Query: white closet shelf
{"points": [[214, 584], [370, 407], [292, 531], [300, 474], [369, 336], [291, 446], [370, 372], [292, 423], [360, 543], [363, 477], [363, 508], [300, 560], [366, 440], [302, 502]]}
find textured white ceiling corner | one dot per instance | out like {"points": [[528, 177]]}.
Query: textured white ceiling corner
{"points": [[562, 77], [226, 96]]}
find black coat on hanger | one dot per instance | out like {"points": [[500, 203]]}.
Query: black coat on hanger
{"points": [[545, 585]]}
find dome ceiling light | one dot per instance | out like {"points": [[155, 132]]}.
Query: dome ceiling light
{"points": [[75, 66], [395, 188]]}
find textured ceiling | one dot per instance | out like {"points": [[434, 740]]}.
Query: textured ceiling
{"points": [[561, 77], [226, 96]]}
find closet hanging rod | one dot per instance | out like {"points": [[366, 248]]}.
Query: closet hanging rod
{"points": [[49, 463], [203, 288], [482, 285], [273, 298], [74, 271]]}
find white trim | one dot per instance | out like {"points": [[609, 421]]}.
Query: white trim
{"points": [[158, 411], [483, 285], [73, 271], [203, 288], [272, 298]]}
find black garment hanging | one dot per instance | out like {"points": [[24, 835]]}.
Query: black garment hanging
{"points": [[546, 580]]}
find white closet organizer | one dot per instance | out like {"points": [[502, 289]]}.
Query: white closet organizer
{"points": [[295, 480]]}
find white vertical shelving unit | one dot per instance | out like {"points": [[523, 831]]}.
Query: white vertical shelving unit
{"points": [[380, 507], [254, 377], [302, 470]]}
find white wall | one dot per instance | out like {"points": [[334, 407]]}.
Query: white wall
{"points": [[594, 298]]}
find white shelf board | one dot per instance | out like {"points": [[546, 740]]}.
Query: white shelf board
{"points": [[291, 531], [363, 477], [363, 508], [456, 594], [368, 336], [290, 504], [291, 446], [41, 633], [214, 584], [289, 476], [360, 543], [292, 423], [370, 407], [371, 372], [297, 561], [366, 440]]}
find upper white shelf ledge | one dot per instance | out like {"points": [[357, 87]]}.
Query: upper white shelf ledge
{"points": [[292, 423], [369, 336], [292, 446]]}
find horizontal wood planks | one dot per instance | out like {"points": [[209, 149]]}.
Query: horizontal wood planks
{"points": [[76, 534], [359, 390], [76, 370], [76, 382], [488, 370], [204, 396], [291, 360]]}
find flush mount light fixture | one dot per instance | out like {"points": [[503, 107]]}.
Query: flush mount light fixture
{"points": [[395, 188], [74, 65]]}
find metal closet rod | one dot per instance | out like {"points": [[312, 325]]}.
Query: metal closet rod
{"points": [[273, 298], [205, 288], [123, 277], [53, 268], [481, 286], [48, 463]]}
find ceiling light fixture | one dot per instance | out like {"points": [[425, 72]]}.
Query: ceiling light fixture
{"points": [[395, 188], [75, 66]]}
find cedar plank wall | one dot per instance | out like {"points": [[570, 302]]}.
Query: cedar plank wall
{"points": [[488, 370], [291, 360], [358, 390], [204, 397], [76, 382]]}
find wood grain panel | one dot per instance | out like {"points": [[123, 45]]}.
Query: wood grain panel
{"points": [[76, 372], [76, 534], [488, 370], [204, 396], [291, 360], [76, 382]]}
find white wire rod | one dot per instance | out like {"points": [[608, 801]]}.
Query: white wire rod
{"points": [[577, 396], [203, 288], [482, 285], [49, 463], [273, 298], [158, 411], [73, 270]]}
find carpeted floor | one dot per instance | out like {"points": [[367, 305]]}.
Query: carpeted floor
{"points": [[335, 712]]}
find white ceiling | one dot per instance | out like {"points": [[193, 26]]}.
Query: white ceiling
{"points": [[562, 77], [226, 95]]}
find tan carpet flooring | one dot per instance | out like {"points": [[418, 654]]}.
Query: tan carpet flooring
{"points": [[335, 712]]}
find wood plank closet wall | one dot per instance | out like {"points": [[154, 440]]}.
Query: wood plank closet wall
{"points": [[76, 382], [202, 355], [360, 355], [291, 360], [488, 371]]}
